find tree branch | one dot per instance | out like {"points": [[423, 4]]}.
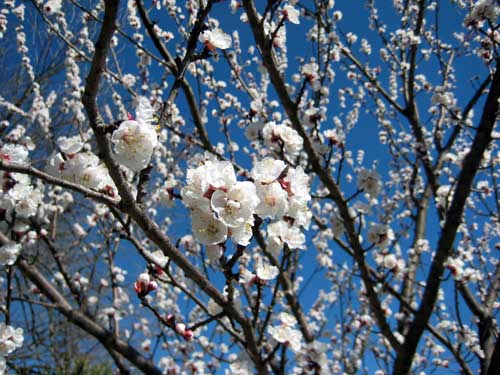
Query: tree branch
{"points": [[267, 53], [452, 221]]}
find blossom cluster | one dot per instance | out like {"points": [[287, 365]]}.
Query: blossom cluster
{"points": [[213, 39], [286, 333], [483, 10], [219, 202], [10, 339], [370, 182], [19, 200], [134, 142], [135, 139], [73, 162], [223, 207], [282, 138]]}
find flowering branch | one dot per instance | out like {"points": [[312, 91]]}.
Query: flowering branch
{"points": [[186, 88], [49, 179], [80, 319], [269, 61], [452, 221]]}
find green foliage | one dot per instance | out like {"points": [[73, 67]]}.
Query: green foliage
{"points": [[84, 367], [81, 366]]}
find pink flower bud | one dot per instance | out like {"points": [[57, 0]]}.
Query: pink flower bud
{"points": [[144, 285], [188, 335]]}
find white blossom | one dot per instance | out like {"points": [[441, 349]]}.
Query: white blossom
{"points": [[282, 137], [243, 233], [10, 339], [216, 38], [97, 177], [390, 261], [237, 206], [291, 13], [380, 235], [207, 229], [70, 145], [483, 9], [9, 253], [134, 143], [14, 153], [267, 170], [286, 333], [273, 200], [266, 272], [52, 6], [280, 233], [369, 182]]}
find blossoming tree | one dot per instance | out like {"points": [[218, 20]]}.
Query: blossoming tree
{"points": [[251, 187]]}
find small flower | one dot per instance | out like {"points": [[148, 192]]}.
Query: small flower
{"points": [[159, 258], [273, 200], [243, 233], [483, 9], [280, 137], [268, 170], [310, 71], [266, 272], [287, 319], [213, 39], [380, 235], [134, 144], [96, 177], [10, 339], [291, 14], [286, 335], [390, 261], [128, 80], [237, 206], [13, 153], [456, 267], [9, 253], [52, 6], [135, 140], [369, 182], [70, 145], [144, 285], [280, 232], [207, 229]]}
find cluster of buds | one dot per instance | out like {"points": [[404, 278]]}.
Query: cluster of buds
{"points": [[144, 285], [180, 328]]}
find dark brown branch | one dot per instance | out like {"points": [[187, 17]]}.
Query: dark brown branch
{"points": [[453, 220], [51, 180], [128, 204], [288, 290], [269, 60], [170, 62], [107, 339]]}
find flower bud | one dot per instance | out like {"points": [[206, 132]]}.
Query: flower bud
{"points": [[144, 285], [180, 328], [188, 335]]}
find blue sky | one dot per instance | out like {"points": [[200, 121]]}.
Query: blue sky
{"points": [[364, 136]]}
